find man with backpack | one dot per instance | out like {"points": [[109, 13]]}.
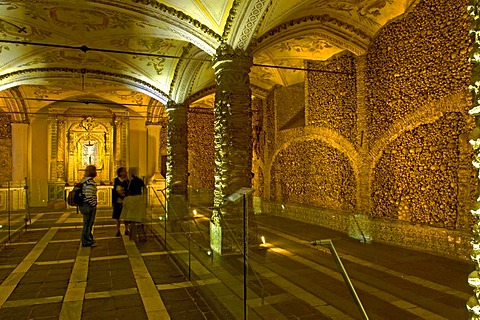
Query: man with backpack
{"points": [[89, 206]]}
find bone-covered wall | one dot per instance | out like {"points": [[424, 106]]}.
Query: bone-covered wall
{"points": [[5, 148], [418, 59], [314, 173], [200, 148], [417, 75], [332, 96], [388, 137]]}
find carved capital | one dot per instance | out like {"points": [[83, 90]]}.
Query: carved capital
{"points": [[230, 62]]}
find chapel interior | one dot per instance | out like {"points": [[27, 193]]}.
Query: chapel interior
{"points": [[350, 120]]}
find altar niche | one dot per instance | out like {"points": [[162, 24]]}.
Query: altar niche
{"points": [[89, 143]]}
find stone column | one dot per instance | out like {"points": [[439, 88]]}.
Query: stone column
{"points": [[118, 127], [153, 133], [232, 137], [17, 195], [177, 161], [52, 135], [19, 152], [364, 180], [473, 304], [61, 135]]}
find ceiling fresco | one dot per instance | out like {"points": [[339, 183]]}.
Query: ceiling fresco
{"points": [[149, 33]]}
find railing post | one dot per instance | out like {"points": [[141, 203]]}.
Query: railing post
{"points": [[346, 278]]}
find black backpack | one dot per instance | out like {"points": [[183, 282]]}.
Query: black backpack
{"points": [[75, 196]]}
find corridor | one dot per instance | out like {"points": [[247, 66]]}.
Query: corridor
{"points": [[46, 274]]}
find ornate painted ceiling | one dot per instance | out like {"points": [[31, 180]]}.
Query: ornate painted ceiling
{"points": [[278, 32]]}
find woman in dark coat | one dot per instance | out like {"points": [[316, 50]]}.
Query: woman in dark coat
{"points": [[120, 186]]}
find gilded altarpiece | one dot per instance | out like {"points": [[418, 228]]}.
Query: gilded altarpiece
{"points": [[81, 141], [89, 142]]}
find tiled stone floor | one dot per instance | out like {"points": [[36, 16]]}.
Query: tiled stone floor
{"points": [[302, 282], [45, 274]]}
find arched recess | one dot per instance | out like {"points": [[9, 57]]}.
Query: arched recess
{"points": [[324, 167], [339, 33], [416, 170], [42, 75]]}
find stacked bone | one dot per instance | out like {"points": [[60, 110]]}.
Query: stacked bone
{"points": [[201, 151], [312, 172], [416, 177], [415, 60], [332, 96], [5, 148]]}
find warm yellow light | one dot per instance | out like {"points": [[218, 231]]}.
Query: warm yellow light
{"points": [[194, 212], [263, 239]]}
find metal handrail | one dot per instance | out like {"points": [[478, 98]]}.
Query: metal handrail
{"points": [[346, 278]]}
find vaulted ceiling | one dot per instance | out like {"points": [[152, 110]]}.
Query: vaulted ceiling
{"points": [[277, 32]]}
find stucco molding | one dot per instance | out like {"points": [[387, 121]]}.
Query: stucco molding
{"points": [[247, 22]]}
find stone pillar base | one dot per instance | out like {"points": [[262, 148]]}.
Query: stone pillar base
{"points": [[227, 230], [222, 242]]}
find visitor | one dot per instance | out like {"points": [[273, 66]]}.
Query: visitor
{"points": [[120, 186], [89, 206], [134, 210]]}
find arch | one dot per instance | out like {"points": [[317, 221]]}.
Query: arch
{"points": [[331, 138], [186, 70], [200, 94], [246, 23], [179, 23], [256, 91], [338, 32], [16, 105], [38, 75], [156, 112], [428, 114]]}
